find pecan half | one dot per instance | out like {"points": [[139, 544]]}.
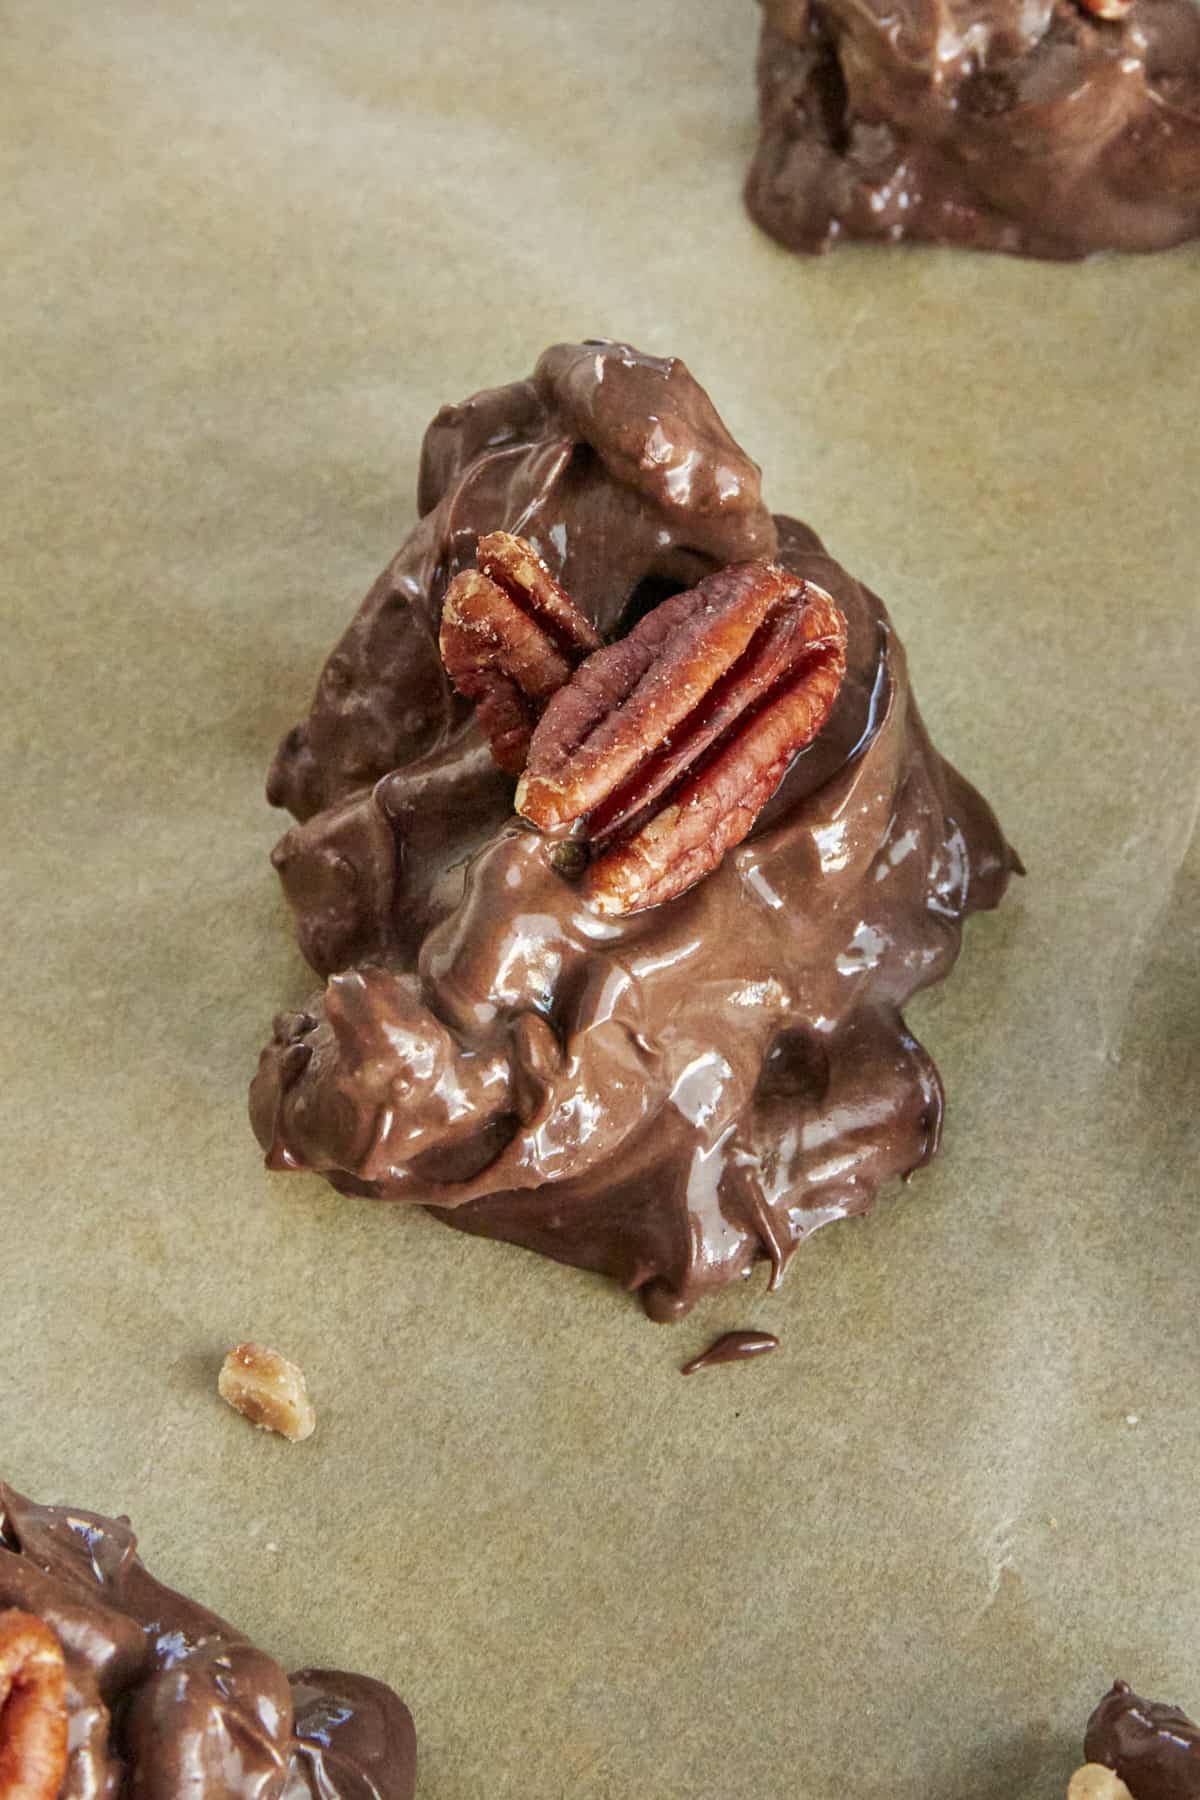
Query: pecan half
{"points": [[669, 743], [33, 1708], [510, 638]]}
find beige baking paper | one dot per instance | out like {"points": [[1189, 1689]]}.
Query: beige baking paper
{"points": [[248, 248]]}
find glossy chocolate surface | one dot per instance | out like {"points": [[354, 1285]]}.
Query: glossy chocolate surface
{"points": [[665, 1097], [166, 1700], [732, 1347], [1154, 1748], [1028, 126]]}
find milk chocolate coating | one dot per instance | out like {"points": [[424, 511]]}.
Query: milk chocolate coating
{"points": [[665, 1097], [167, 1701], [1027, 126], [1154, 1748], [732, 1347]]}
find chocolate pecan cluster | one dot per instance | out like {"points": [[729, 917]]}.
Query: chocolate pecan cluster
{"points": [[1138, 1749], [659, 751], [620, 844], [116, 1687], [1053, 128]]}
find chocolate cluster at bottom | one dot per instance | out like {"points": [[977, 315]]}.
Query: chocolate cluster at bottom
{"points": [[1150, 1747], [667, 1094], [161, 1699], [1046, 128]]}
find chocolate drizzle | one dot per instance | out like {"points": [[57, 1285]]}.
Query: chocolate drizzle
{"points": [[733, 1347], [665, 1097], [1028, 126], [167, 1701], [1154, 1748]]}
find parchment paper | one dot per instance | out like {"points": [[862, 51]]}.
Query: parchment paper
{"points": [[248, 249]]}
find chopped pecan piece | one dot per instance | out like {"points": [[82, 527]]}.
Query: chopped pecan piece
{"points": [[33, 1709], [510, 638], [669, 743], [1095, 1782], [1108, 9], [268, 1390]]}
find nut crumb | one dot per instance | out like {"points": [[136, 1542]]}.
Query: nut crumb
{"points": [[268, 1390], [1095, 1782]]}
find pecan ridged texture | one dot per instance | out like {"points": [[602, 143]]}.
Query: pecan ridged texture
{"points": [[33, 1708], [510, 638], [666, 745]]}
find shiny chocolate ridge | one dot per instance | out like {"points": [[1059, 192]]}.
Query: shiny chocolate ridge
{"points": [[666, 1097], [1027, 126], [165, 1700]]}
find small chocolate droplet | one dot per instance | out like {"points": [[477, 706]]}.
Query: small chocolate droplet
{"points": [[735, 1346]]}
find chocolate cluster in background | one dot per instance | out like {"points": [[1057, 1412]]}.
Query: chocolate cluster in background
{"points": [[665, 1096], [157, 1697], [1153, 1748], [1043, 127]]}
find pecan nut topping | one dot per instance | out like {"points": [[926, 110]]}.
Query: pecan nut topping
{"points": [[33, 1709], [668, 743], [510, 638]]}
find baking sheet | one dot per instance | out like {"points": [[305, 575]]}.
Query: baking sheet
{"points": [[248, 249]]}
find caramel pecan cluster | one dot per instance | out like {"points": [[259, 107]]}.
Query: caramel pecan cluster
{"points": [[658, 752], [33, 1709]]}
